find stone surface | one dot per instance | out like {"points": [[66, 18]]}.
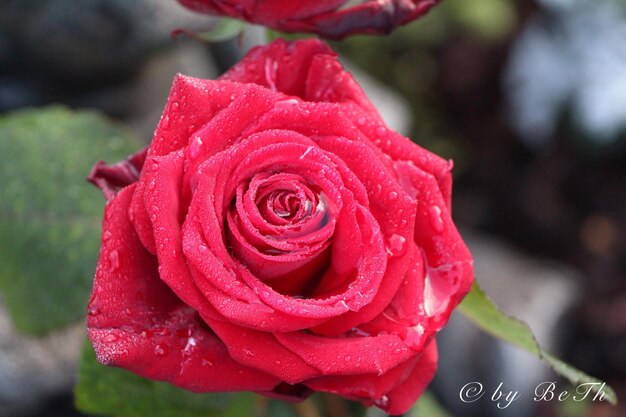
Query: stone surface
{"points": [[35, 369]]}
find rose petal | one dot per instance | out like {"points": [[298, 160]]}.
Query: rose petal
{"points": [[402, 398], [137, 323], [166, 211], [262, 351], [348, 355], [112, 178], [449, 264]]}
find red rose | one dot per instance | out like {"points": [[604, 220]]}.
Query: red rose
{"points": [[279, 239], [333, 19]]}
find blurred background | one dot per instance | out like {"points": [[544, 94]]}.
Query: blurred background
{"points": [[528, 97]]}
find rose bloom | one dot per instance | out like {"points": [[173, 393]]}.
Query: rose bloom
{"points": [[333, 19], [277, 237]]}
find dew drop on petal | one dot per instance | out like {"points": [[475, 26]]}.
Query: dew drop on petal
{"points": [[114, 260], [435, 218], [194, 147], [94, 312], [308, 149], [396, 245], [381, 131], [161, 350], [414, 337], [382, 402], [110, 338]]}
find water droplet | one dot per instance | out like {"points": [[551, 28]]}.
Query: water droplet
{"points": [[382, 402], [393, 195], [161, 350], [194, 147], [308, 149], [203, 248], [206, 362], [106, 235], [358, 332], [94, 311], [286, 104], [165, 122], [396, 245], [347, 358], [151, 185], [381, 131], [413, 337], [435, 218], [110, 338], [362, 120], [114, 260]]}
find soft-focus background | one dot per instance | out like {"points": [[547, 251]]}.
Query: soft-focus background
{"points": [[528, 97]]}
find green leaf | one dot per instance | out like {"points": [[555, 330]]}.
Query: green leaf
{"points": [[223, 30], [51, 216], [115, 392], [272, 34], [428, 406], [483, 312]]}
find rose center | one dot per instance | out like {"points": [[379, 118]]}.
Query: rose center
{"points": [[279, 228], [289, 204]]}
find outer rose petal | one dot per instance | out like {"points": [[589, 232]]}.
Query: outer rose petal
{"points": [[309, 71], [395, 391], [112, 178], [137, 323], [333, 19]]}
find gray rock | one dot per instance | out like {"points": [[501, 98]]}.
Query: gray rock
{"points": [[34, 369]]}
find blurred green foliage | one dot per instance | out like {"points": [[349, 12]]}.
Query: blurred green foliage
{"points": [[428, 406], [115, 392], [50, 215]]}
